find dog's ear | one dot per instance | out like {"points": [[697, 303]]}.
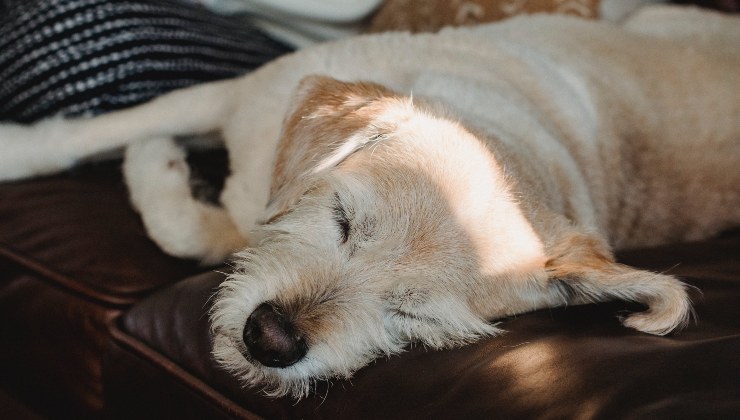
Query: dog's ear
{"points": [[582, 269], [327, 122]]}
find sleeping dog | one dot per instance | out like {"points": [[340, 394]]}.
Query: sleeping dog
{"points": [[417, 187]]}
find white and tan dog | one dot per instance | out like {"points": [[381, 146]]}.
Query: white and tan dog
{"points": [[529, 150]]}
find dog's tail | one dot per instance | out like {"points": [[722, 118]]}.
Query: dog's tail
{"points": [[57, 144]]}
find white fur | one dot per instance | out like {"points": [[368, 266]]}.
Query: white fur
{"points": [[530, 149]]}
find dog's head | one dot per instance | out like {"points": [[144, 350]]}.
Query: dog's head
{"points": [[388, 224]]}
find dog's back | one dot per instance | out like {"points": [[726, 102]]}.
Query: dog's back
{"points": [[650, 117], [705, 30], [645, 131], [691, 184]]}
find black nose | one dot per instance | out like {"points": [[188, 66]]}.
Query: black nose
{"points": [[272, 339]]}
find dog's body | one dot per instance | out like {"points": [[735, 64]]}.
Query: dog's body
{"points": [[530, 149]]}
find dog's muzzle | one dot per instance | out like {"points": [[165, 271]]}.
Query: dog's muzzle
{"points": [[271, 339]]}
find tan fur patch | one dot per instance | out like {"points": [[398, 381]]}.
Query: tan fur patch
{"points": [[576, 254], [327, 111]]}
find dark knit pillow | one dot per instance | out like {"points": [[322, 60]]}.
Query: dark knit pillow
{"points": [[76, 57]]}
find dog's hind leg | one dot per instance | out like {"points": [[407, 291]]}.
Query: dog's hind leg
{"points": [[157, 177], [57, 144]]}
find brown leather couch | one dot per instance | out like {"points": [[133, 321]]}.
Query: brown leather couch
{"points": [[95, 321]]}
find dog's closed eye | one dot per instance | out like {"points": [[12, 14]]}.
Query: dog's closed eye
{"points": [[341, 216], [404, 316], [359, 228]]}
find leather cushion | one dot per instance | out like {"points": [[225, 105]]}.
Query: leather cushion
{"points": [[78, 231], [560, 363], [73, 254]]}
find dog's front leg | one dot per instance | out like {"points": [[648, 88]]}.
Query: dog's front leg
{"points": [[582, 270], [158, 179], [56, 144]]}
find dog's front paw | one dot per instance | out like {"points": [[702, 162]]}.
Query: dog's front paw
{"points": [[651, 322], [669, 306], [156, 172], [583, 271], [157, 175]]}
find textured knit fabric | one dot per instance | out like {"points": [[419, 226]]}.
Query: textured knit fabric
{"points": [[85, 57]]}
